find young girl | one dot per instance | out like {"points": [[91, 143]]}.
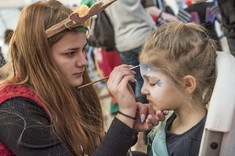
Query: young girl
{"points": [[178, 67]]}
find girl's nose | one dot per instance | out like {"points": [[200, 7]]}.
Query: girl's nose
{"points": [[144, 90]]}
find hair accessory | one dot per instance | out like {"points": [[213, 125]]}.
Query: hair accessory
{"points": [[128, 116], [79, 18]]}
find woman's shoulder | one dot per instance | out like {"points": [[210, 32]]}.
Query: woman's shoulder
{"points": [[14, 91], [21, 106]]}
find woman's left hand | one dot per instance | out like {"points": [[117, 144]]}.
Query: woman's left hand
{"points": [[147, 117]]}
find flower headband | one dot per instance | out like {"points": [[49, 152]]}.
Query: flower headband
{"points": [[78, 20]]}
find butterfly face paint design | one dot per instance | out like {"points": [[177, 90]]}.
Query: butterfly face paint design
{"points": [[157, 87], [150, 72]]}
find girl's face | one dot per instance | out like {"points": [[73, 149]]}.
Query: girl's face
{"points": [[69, 56], [158, 89]]}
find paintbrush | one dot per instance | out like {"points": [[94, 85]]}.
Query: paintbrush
{"points": [[102, 79]]}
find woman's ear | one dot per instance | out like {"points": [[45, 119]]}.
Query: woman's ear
{"points": [[189, 83]]}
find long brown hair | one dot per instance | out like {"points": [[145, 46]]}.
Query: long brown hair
{"points": [[179, 50], [76, 115]]}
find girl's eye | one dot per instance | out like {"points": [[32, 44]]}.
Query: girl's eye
{"points": [[159, 83]]}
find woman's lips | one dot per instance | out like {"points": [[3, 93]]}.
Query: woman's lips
{"points": [[78, 74]]}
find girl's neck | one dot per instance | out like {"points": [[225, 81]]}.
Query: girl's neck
{"points": [[186, 118]]}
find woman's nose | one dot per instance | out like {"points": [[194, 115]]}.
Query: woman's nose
{"points": [[82, 61]]}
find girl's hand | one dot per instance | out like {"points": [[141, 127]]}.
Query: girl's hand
{"points": [[147, 117]]}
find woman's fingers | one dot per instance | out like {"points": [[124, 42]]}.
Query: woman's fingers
{"points": [[118, 85], [158, 117], [120, 77], [142, 111]]}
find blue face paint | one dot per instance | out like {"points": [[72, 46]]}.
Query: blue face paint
{"points": [[151, 73], [146, 70], [159, 83]]}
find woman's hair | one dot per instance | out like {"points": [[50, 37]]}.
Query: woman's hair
{"points": [[178, 50], [76, 115]]}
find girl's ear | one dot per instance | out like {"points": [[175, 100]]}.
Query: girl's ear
{"points": [[189, 84]]}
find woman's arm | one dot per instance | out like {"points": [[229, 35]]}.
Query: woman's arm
{"points": [[25, 129], [117, 140]]}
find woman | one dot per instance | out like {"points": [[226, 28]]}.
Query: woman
{"points": [[42, 110]]}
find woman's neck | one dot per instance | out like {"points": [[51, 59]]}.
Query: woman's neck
{"points": [[186, 118]]}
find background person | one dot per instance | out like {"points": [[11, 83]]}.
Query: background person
{"points": [[227, 11], [201, 11], [7, 38]]}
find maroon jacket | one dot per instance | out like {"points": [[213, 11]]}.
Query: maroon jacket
{"points": [[16, 91]]}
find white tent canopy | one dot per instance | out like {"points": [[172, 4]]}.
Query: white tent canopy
{"points": [[10, 10], [23, 3]]}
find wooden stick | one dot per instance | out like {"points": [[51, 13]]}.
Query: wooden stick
{"points": [[102, 79]]}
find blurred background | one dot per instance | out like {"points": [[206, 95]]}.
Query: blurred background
{"points": [[10, 10]]}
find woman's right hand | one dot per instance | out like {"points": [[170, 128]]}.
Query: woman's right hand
{"points": [[118, 86]]}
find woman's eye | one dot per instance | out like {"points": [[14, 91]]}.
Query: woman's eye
{"points": [[152, 84], [71, 53], [84, 49]]}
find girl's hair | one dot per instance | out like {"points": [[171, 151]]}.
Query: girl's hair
{"points": [[178, 50], [76, 115]]}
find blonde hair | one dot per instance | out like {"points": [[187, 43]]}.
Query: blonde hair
{"points": [[180, 50], [75, 115]]}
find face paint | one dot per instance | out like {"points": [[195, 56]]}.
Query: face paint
{"points": [[158, 88], [146, 69], [150, 72], [159, 83]]}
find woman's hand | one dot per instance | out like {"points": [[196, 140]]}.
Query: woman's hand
{"points": [[118, 86], [147, 117]]}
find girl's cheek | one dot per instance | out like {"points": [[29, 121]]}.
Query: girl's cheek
{"points": [[159, 92]]}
